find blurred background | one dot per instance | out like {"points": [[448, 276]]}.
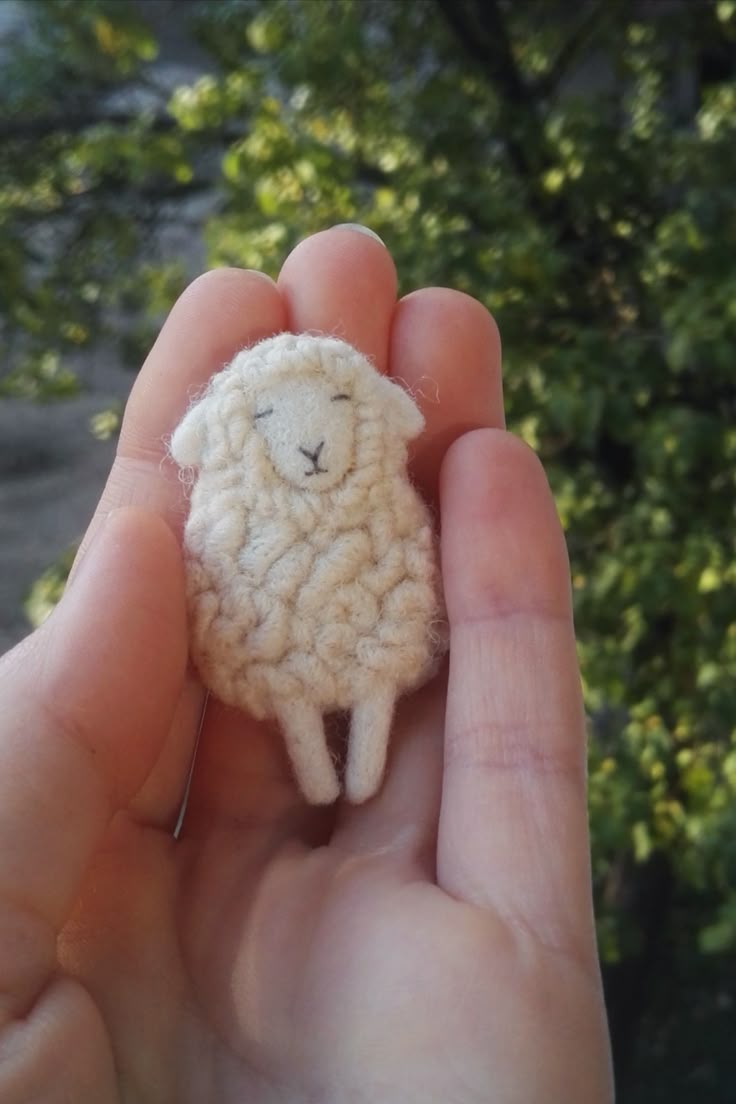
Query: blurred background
{"points": [[571, 165]]}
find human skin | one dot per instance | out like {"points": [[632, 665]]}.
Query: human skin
{"points": [[434, 945]]}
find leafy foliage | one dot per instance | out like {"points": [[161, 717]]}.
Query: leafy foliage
{"points": [[574, 170], [48, 589]]}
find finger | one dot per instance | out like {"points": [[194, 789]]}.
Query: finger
{"points": [[513, 825], [342, 282], [446, 348], [85, 704], [221, 312], [218, 314]]}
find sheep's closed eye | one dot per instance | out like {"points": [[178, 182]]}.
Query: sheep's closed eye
{"points": [[263, 413], [340, 398]]}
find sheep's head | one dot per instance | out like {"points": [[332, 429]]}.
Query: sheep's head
{"points": [[311, 407], [308, 428]]}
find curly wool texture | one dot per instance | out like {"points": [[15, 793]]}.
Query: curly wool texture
{"points": [[311, 564]]}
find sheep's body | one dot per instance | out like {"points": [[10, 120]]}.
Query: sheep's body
{"points": [[328, 613], [305, 601]]}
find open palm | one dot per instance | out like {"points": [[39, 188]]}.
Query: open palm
{"points": [[434, 944]]}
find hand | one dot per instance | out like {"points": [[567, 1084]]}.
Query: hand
{"points": [[435, 944]]}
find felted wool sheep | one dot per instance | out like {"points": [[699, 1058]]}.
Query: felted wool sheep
{"points": [[312, 574]]}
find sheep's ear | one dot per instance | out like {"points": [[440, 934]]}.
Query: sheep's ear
{"points": [[404, 414], [189, 438]]}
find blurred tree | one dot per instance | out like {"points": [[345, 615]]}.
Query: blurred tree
{"points": [[572, 166]]}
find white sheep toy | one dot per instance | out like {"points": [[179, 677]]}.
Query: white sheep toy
{"points": [[312, 573]]}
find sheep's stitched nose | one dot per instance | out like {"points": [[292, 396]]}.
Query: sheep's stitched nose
{"points": [[314, 457]]}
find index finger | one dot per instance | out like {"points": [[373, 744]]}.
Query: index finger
{"points": [[220, 313]]}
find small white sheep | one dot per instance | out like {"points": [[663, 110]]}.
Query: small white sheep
{"points": [[312, 577]]}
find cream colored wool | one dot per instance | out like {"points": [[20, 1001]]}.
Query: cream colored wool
{"points": [[311, 566]]}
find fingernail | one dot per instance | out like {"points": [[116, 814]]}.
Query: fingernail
{"points": [[361, 230]]}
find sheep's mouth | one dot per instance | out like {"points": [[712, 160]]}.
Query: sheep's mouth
{"points": [[317, 471]]}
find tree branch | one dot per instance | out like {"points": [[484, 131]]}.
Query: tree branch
{"points": [[578, 39], [480, 27], [481, 32], [501, 54], [74, 123], [471, 42]]}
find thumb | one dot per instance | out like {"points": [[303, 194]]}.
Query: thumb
{"points": [[85, 704]]}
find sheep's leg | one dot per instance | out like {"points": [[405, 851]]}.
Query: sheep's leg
{"points": [[304, 735], [370, 729]]}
